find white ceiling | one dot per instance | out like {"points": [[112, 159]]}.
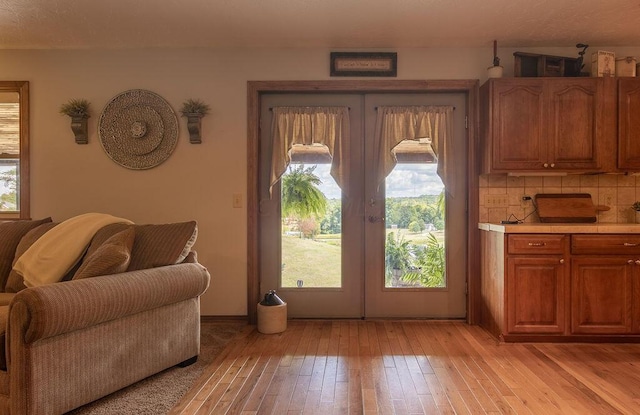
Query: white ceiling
{"points": [[80, 24]]}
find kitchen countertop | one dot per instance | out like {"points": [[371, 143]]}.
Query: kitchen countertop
{"points": [[561, 227]]}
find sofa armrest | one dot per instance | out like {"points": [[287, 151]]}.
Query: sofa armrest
{"points": [[63, 307]]}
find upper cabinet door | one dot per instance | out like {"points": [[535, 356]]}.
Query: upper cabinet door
{"points": [[515, 124], [575, 123], [545, 125], [629, 124]]}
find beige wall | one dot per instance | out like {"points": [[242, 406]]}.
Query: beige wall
{"points": [[197, 181]]}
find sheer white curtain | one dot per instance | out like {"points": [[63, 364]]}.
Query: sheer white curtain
{"points": [[310, 125], [395, 124]]}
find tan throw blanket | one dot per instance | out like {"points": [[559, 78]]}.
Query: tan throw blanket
{"points": [[54, 254]]}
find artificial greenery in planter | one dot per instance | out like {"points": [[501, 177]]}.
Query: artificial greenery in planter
{"points": [[78, 110], [194, 110]]}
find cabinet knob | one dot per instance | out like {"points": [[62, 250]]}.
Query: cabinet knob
{"points": [[630, 261], [553, 165], [546, 165], [562, 261], [637, 261], [537, 243]]}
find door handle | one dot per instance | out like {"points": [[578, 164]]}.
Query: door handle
{"points": [[374, 219]]}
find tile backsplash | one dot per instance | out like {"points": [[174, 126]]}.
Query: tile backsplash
{"points": [[501, 196]]}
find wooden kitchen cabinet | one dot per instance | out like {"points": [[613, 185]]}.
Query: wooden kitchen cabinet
{"points": [[629, 124], [560, 287], [536, 294], [546, 125], [601, 295], [525, 284], [605, 273], [536, 277]]}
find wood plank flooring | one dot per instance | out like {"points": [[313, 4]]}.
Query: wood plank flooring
{"points": [[412, 367]]}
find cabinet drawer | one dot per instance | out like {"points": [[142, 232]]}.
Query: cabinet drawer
{"points": [[536, 244], [619, 244]]}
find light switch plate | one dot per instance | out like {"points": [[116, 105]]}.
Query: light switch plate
{"points": [[237, 200]]}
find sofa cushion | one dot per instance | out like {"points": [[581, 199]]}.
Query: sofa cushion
{"points": [[103, 235], [112, 257], [160, 245], [11, 233], [5, 298], [15, 282]]}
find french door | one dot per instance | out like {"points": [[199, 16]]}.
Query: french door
{"points": [[339, 264]]}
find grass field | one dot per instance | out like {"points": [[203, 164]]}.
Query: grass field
{"points": [[318, 262]]}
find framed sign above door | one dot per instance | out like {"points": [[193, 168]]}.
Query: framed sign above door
{"points": [[364, 64]]}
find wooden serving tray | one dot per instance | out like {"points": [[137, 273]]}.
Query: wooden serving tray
{"points": [[565, 208]]}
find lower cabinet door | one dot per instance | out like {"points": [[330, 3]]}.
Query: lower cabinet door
{"points": [[536, 292], [601, 295]]}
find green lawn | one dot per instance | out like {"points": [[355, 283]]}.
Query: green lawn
{"points": [[317, 263], [417, 238]]}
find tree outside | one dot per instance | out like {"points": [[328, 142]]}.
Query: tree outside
{"points": [[301, 198], [9, 200]]}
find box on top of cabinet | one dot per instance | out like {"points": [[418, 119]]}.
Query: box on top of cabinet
{"points": [[603, 63], [626, 66]]}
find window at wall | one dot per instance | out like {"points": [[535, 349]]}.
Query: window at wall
{"points": [[14, 186]]}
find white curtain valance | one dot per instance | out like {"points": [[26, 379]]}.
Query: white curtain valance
{"points": [[395, 124], [310, 125]]}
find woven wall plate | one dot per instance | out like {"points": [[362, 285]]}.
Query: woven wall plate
{"points": [[138, 129]]}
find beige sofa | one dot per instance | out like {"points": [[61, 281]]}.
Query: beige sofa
{"points": [[72, 342]]}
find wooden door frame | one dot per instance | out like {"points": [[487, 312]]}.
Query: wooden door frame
{"points": [[255, 90]]}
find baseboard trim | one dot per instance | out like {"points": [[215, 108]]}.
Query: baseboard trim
{"points": [[205, 319]]}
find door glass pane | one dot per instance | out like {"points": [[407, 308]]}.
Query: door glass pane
{"points": [[414, 208], [311, 224]]}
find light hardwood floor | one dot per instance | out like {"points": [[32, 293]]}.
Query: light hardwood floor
{"points": [[412, 367]]}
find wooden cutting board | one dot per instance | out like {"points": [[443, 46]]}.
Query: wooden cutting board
{"points": [[566, 208]]}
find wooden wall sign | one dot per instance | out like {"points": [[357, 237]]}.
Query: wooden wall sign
{"points": [[364, 64]]}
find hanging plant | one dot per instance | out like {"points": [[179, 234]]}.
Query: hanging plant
{"points": [[76, 108]]}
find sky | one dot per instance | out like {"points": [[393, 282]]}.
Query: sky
{"points": [[406, 180]]}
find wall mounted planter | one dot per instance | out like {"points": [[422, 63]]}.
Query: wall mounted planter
{"points": [[78, 111], [80, 130], [194, 110], [194, 126]]}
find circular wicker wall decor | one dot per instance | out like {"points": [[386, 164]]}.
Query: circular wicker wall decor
{"points": [[138, 129]]}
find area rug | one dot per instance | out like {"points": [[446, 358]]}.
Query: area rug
{"points": [[158, 394]]}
